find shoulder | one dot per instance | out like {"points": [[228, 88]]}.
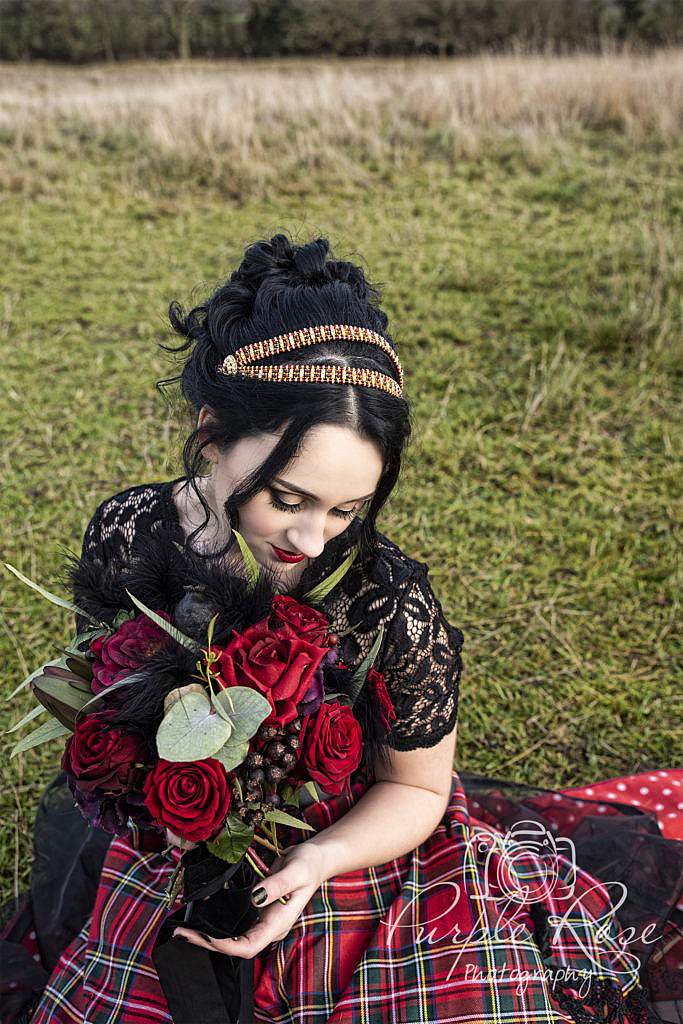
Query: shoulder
{"points": [[117, 519]]}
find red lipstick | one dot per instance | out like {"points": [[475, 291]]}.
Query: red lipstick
{"points": [[287, 556]]}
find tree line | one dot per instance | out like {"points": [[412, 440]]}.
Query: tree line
{"points": [[79, 31]]}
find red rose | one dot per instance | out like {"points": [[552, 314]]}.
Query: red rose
{"points": [[279, 666], [333, 744], [191, 798], [289, 616], [386, 705], [99, 757], [126, 650]]}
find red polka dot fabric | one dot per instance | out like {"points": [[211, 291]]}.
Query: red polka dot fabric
{"points": [[658, 791]]}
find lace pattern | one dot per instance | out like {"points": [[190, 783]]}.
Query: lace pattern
{"points": [[420, 650]]}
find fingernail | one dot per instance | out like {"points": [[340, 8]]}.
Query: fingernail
{"points": [[259, 896], [207, 938]]}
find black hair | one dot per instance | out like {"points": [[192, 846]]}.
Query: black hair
{"points": [[278, 287]]}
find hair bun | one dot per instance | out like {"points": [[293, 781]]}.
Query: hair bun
{"points": [[309, 261]]}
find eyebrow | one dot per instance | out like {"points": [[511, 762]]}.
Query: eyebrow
{"points": [[300, 490]]}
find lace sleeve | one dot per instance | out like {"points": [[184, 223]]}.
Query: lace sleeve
{"points": [[422, 668], [92, 549]]}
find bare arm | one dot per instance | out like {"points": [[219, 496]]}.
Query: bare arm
{"points": [[397, 813]]}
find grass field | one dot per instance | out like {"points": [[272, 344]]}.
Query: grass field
{"points": [[533, 278]]}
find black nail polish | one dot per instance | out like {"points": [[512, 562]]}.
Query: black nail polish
{"points": [[259, 895]]}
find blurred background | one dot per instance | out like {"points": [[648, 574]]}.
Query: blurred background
{"points": [[511, 174]]}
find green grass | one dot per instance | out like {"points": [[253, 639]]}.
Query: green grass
{"points": [[537, 308]]}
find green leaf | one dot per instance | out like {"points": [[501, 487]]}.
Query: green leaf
{"points": [[290, 795], [316, 595], [210, 629], [33, 713], [250, 563], [310, 787], [233, 842], [59, 698], [246, 708], [73, 647], [47, 731], [282, 818], [80, 666], [51, 597], [191, 730], [360, 675], [232, 753], [61, 661], [173, 631]]}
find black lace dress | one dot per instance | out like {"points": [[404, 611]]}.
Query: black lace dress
{"points": [[389, 942]]}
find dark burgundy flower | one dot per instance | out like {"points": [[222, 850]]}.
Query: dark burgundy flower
{"points": [[301, 620], [111, 812], [315, 694], [126, 650], [98, 756], [379, 689]]}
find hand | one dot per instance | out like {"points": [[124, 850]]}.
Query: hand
{"points": [[295, 875]]}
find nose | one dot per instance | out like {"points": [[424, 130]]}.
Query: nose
{"points": [[308, 536]]}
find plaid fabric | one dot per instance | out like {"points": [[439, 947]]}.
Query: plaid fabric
{"points": [[456, 930]]}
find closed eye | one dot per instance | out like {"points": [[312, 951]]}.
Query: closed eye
{"points": [[284, 506]]}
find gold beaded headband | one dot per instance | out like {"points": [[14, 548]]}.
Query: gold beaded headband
{"points": [[238, 363]]}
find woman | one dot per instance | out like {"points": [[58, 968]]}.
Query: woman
{"points": [[425, 894]]}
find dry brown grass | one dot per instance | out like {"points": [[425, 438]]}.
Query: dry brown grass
{"points": [[315, 113]]}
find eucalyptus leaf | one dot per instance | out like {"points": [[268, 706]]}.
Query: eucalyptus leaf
{"points": [[33, 713], [50, 596], [250, 563], [247, 709], [316, 595], [47, 731], [233, 842], [232, 753], [191, 730], [282, 818], [173, 631], [361, 673]]}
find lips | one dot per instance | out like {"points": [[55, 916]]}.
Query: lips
{"points": [[286, 556]]}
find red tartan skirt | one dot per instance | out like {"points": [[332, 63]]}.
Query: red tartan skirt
{"points": [[477, 924]]}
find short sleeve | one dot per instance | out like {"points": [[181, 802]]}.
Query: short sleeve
{"points": [[422, 668], [92, 550]]}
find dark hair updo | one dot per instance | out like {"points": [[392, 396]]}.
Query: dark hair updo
{"points": [[279, 287]]}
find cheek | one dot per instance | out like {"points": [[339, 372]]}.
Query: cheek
{"points": [[260, 519]]}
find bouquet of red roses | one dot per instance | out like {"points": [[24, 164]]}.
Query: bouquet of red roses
{"points": [[204, 717]]}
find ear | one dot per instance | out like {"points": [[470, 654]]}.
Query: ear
{"points": [[205, 418]]}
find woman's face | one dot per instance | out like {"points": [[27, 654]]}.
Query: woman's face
{"points": [[308, 503]]}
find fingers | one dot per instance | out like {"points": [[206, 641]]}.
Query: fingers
{"points": [[281, 883], [247, 946]]}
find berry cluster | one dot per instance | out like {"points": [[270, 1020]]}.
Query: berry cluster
{"points": [[264, 769]]}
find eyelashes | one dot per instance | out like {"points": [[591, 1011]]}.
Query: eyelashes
{"points": [[284, 507]]}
